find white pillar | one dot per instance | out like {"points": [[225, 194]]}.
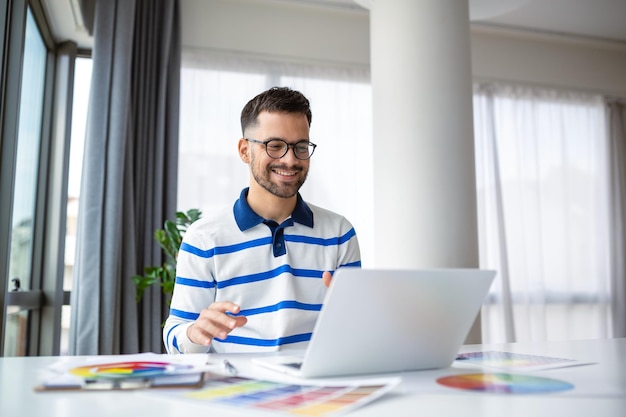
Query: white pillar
{"points": [[424, 177]]}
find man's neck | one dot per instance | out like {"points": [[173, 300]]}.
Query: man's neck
{"points": [[269, 206]]}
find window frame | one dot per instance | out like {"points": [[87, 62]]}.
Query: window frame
{"points": [[45, 297]]}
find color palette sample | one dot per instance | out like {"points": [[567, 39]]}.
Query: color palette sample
{"points": [[124, 370], [286, 398], [502, 383]]}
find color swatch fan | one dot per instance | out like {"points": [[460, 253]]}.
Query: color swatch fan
{"points": [[124, 370]]}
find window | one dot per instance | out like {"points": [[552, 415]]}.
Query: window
{"points": [[214, 89], [551, 175], [82, 83], [35, 144], [542, 180], [26, 183]]}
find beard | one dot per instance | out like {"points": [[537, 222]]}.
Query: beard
{"points": [[279, 189]]}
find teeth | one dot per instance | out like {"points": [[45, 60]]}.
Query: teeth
{"points": [[286, 173]]}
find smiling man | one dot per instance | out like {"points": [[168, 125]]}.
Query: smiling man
{"points": [[253, 278]]}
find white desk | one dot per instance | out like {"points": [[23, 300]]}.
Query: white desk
{"points": [[600, 390]]}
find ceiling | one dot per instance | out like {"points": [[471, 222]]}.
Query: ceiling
{"points": [[594, 19]]}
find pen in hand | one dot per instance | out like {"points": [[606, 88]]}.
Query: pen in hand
{"points": [[229, 367]]}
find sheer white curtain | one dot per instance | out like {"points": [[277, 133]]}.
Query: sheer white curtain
{"points": [[543, 183], [214, 88]]}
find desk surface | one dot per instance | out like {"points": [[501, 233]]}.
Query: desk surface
{"points": [[600, 389]]}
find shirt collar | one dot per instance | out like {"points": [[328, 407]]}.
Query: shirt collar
{"points": [[246, 218]]}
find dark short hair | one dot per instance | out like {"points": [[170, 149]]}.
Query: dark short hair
{"points": [[276, 99]]}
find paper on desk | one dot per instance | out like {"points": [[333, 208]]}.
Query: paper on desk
{"points": [[313, 399], [123, 371], [510, 361]]}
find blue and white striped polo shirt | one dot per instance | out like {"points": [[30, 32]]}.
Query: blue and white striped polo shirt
{"points": [[273, 272]]}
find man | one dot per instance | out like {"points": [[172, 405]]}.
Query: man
{"points": [[253, 279]]}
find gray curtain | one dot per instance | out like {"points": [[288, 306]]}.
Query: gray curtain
{"points": [[617, 142], [129, 175]]}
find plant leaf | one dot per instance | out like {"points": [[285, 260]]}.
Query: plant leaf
{"points": [[169, 239]]}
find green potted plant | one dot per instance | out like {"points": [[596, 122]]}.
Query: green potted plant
{"points": [[169, 238]]}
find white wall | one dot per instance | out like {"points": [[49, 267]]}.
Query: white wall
{"points": [[303, 32], [516, 56], [277, 28]]}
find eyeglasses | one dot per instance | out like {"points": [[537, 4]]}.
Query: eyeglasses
{"points": [[277, 148]]}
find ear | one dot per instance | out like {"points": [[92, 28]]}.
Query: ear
{"points": [[244, 148]]}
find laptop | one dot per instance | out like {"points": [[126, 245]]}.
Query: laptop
{"points": [[382, 321]]}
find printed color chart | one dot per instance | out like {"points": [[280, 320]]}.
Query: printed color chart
{"points": [[287, 398], [515, 361]]}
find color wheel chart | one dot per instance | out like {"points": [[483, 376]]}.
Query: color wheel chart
{"points": [[286, 398], [502, 383], [133, 369]]}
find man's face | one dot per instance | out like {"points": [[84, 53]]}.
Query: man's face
{"points": [[281, 177]]}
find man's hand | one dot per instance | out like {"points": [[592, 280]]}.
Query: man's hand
{"points": [[326, 278], [213, 322]]}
